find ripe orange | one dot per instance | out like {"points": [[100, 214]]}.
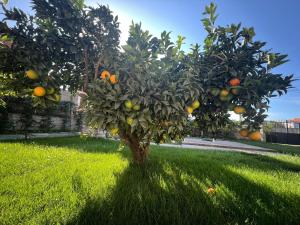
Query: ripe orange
{"points": [[105, 74], [211, 190], [31, 74], [113, 79], [39, 91], [255, 136], [244, 132], [224, 93], [239, 109], [234, 82]]}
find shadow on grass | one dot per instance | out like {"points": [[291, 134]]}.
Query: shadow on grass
{"points": [[172, 189], [175, 192]]}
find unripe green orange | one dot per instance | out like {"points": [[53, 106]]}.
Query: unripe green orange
{"points": [[128, 104], [196, 104], [136, 107], [224, 93], [32, 74], [114, 131], [129, 121]]}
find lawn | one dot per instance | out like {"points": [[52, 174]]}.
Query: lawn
{"points": [[281, 148], [91, 181]]}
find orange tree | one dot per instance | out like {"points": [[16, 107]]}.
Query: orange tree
{"points": [[150, 96], [151, 88], [60, 46], [156, 87], [236, 75]]}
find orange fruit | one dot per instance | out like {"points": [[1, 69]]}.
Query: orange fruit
{"points": [[255, 136], [114, 131], [31, 74], [211, 190], [215, 91], [57, 97], [224, 93], [239, 109], [105, 74], [196, 104], [136, 107], [113, 79], [129, 121], [39, 91], [244, 132], [189, 110], [234, 82], [128, 104]]}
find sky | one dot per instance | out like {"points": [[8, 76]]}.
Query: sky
{"points": [[275, 21]]}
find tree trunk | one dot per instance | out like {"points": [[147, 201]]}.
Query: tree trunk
{"points": [[139, 153]]}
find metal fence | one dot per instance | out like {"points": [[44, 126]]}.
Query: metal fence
{"points": [[285, 132]]}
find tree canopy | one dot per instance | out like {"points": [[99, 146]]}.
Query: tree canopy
{"points": [[148, 89]]}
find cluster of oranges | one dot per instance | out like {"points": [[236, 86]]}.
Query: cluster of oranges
{"points": [[40, 91], [106, 75], [254, 136], [226, 94]]}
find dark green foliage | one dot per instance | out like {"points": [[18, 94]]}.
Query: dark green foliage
{"points": [[231, 52], [63, 42]]}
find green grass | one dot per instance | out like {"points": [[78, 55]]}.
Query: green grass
{"points": [[281, 148], [91, 181]]}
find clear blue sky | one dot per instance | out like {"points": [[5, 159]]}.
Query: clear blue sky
{"points": [[275, 21]]}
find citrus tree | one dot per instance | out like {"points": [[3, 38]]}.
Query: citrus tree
{"points": [[147, 96], [60, 46], [155, 88], [148, 90], [236, 74]]}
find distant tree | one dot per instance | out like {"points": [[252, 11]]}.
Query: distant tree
{"points": [[62, 45]]}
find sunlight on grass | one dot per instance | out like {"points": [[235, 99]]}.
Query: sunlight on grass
{"points": [[89, 181], [42, 183]]}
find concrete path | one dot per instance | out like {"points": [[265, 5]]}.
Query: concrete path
{"points": [[221, 145], [194, 143]]}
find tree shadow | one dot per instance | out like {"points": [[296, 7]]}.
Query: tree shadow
{"points": [[175, 192], [172, 188]]}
